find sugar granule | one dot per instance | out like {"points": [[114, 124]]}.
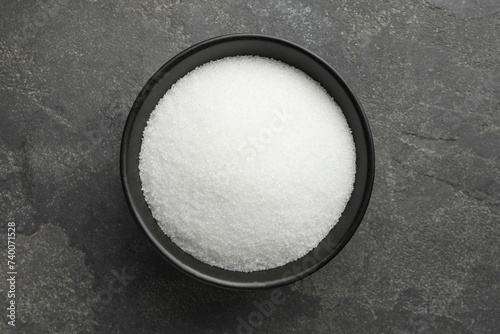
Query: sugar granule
{"points": [[247, 163]]}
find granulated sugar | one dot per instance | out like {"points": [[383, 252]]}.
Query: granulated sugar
{"points": [[247, 163]]}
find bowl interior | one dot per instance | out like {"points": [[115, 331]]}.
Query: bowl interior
{"points": [[288, 53]]}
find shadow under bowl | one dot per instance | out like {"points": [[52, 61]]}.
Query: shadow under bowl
{"points": [[289, 53]]}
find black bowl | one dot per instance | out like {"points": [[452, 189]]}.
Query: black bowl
{"points": [[289, 53]]}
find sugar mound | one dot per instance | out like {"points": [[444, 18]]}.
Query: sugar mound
{"points": [[247, 163]]}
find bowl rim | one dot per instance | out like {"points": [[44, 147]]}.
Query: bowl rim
{"points": [[127, 189]]}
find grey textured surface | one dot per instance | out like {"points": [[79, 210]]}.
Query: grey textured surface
{"points": [[426, 257]]}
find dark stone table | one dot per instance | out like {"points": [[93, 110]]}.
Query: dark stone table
{"points": [[424, 260]]}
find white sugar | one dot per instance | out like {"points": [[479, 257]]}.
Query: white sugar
{"points": [[247, 163]]}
